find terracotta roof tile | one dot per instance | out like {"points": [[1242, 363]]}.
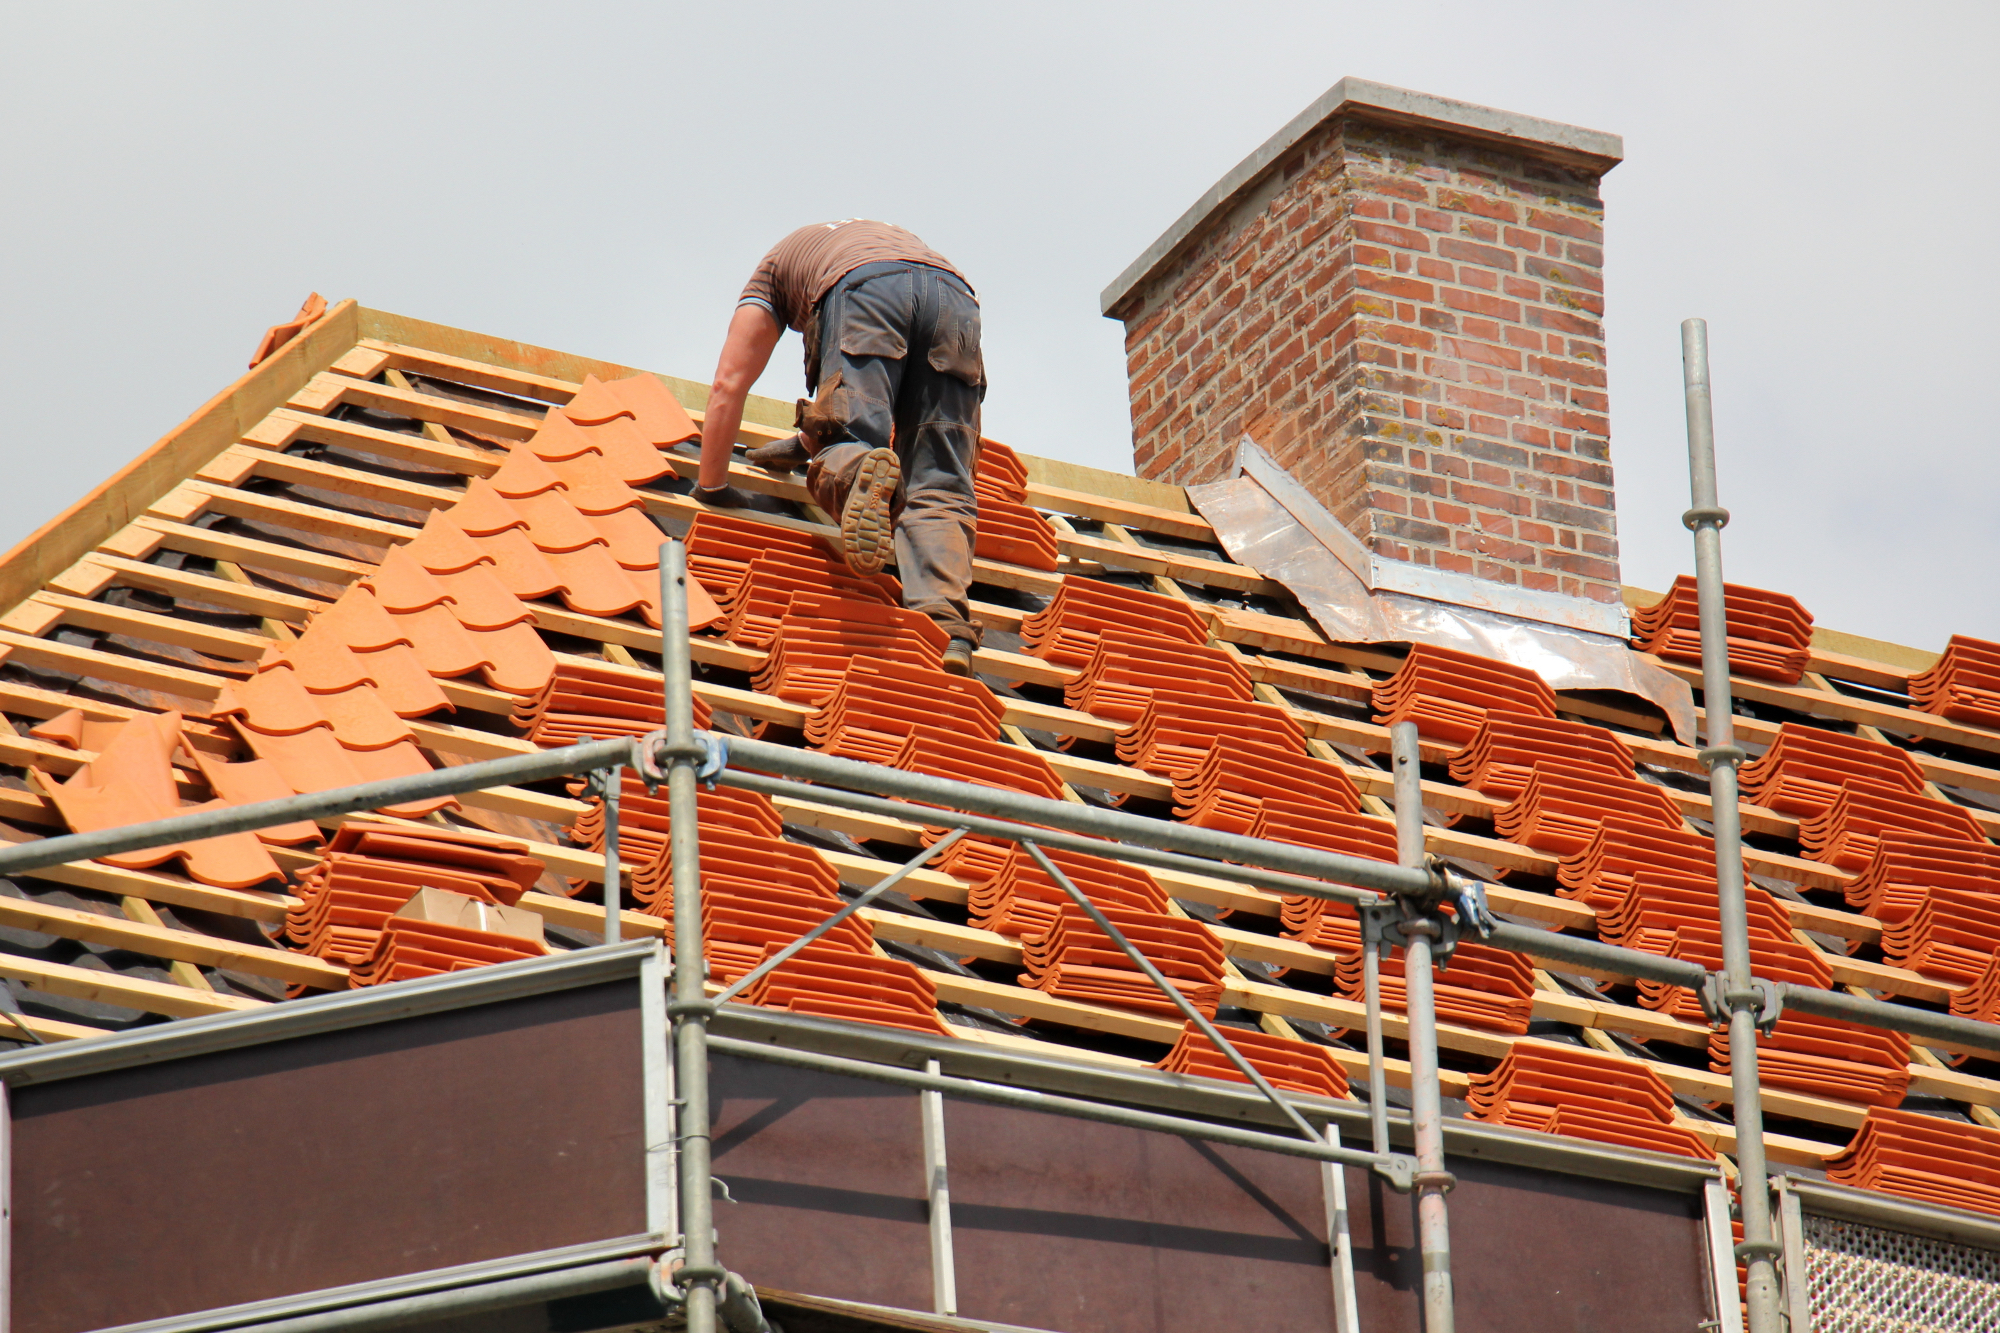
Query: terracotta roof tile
{"points": [[1020, 899], [1805, 768], [1905, 868], [1304, 824], [132, 780], [1981, 999], [369, 871], [583, 701], [1923, 1157], [406, 949], [649, 404], [1773, 959], [1485, 988], [1074, 960], [1000, 472], [720, 548], [1560, 808], [1845, 834], [401, 585], [1173, 736], [877, 704], [278, 335], [815, 642], [1294, 1066], [1237, 776], [762, 595], [1583, 1094], [1066, 631], [974, 759], [1951, 936], [1827, 1058], [1015, 534], [1126, 669], [1964, 685], [248, 782], [315, 760], [831, 982], [1625, 845], [1659, 902], [75, 731], [1502, 755], [1769, 634], [1448, 693]]}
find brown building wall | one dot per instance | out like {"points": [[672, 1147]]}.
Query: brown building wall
{"points": [[1408, 319]]}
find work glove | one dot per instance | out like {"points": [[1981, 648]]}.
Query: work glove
{"points": [[724, 497]]}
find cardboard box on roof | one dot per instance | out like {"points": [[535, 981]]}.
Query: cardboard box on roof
{"points": [[456, 909]]}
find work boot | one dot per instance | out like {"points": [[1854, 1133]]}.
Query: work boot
{"points": [[781, 456], [867, 525], [958, 657]]}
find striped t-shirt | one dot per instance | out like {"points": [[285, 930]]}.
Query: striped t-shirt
{"points": [[802, 267]]}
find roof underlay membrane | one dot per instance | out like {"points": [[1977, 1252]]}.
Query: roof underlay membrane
{"points": [[394, 545]]}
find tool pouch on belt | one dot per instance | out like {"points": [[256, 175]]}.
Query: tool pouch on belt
{"points": [[823, 418]]}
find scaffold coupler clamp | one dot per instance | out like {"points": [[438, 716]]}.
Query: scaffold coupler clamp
{"points": [[1733, 755], [1718, 1002], [652, 756], [1399, 1169]]}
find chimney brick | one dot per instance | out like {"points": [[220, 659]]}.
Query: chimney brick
{"points": [[1398, 298]]}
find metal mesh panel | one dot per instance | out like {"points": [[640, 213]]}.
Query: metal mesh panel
{"points": [[1861, 1279]]}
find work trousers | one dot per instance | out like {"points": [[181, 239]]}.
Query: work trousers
{"points": [[894, 356]]}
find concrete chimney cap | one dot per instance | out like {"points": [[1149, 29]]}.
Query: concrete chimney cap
{"points": [[1569, 145]]}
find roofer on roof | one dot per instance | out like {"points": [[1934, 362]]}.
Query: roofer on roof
{"points": [[891, 437]]}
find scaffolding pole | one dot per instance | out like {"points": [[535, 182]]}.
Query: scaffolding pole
{"points": [[699, 1277], [1420, 1008], [1740, 999]]}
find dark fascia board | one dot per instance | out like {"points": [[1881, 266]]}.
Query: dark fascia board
{"points": [[1569, 145], [187, 1037], [1210, 1099]]}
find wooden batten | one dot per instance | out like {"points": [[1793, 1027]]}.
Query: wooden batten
{"points": [[507, 353], [183, 451]]}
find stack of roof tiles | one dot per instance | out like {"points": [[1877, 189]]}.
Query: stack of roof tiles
{"points": [[1067, 630], [1129, 668], [815, 642], [1008, 529], [1828, 1058], [1584, 1094], [1769, 634], [1964, 685], [590, 701], [1623, 848], [1480, 987], [407, 949], [1771, 958], [1923, 1157], [1288, 1064], [1448, 694], [1508, 747], [1019, 898], [1074, 960], [753, 570], [369, 871], [760, 892], [1805, 770], [1847, 832], [876, 706], [1561, 807]]}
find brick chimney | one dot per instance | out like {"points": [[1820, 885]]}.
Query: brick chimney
{"points": [[1399, 299]]}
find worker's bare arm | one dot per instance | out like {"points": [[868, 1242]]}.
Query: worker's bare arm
{"points": [[753, 333]]}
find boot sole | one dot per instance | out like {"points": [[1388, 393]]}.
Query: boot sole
{"points": [[867, 534]]}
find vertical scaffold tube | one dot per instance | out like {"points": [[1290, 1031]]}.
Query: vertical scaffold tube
{"points": [[700, 1278], [1739, 997], [1426, 1108], [614, 867]]}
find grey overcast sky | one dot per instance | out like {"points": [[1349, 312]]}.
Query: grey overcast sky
{"points": [[1816, 179]]}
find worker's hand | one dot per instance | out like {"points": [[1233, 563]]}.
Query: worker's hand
{"points": [[724, 497]]}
